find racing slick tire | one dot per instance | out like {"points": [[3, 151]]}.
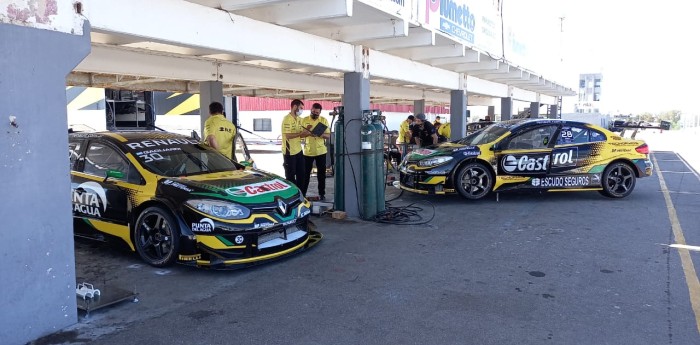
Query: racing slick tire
{"points": [[618, 180], [156, 237], [474, 181]]}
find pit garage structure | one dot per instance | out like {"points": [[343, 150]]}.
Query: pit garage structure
{"points": [[448, 52]]}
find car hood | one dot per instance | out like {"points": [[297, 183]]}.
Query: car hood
{"points": [[444, 149], [240, 186]]}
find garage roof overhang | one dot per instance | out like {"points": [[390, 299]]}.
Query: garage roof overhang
{"points": [[289, 49]]}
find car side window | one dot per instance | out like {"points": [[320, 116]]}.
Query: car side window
{"points": [[74, 152], [572, 135], [100, 158], [597, 136], [537, 138], [578, 135]]}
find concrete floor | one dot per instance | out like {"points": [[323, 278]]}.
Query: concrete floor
{"points": [[559, 268]]}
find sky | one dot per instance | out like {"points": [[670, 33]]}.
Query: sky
{"points": [[646, 50]]}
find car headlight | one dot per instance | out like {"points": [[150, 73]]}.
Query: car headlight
{"points": [[220, 209], [429, 162]]}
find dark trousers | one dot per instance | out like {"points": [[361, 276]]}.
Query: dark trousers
{"points": [[320, 173], [294, 169]]}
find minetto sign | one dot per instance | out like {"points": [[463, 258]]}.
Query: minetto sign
{"points": [[473, 22]]}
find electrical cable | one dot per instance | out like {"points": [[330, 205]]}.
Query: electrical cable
{"points": [[404, 215], [352, 168], [397, 215]]}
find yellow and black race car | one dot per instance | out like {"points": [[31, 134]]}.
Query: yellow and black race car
{"points": [[170, 198], [530, 154]]}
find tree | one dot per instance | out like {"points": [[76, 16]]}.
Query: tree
{"points": [[672, 116], [646, 117]]}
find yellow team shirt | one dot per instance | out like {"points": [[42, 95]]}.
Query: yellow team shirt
{"points": [[315, 146], [223, 130], [444, 130], [404, 136], [291, 125]]}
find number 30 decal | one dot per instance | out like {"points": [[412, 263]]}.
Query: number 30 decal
{"points": [[150, 157]]}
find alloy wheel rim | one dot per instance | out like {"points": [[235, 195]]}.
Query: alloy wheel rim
{"points": [[620, 180], [155, 237], [475, 181]]}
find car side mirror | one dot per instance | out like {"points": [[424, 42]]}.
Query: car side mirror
{"points": [[247, 164], [113, 174]]}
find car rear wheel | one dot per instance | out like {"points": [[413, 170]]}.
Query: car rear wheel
{"points": [[618, 180], [156, 237], [474, 181]]}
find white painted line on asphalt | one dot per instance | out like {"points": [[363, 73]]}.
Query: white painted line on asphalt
{"points": [[691, 277], [685, 246], [678, 192], [689, 167], [669, 160], [676, 172]]}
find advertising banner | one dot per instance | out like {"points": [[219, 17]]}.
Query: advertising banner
{"points": [[474, 23]]}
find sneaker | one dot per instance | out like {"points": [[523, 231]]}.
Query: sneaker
{"points": [[321, 197]]}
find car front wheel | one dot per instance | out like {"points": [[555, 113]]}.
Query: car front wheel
{"points": [[156, 237], [474, 181], [618, 180]]}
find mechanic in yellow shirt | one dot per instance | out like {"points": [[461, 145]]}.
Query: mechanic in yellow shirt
{"points": [[315, 150], [292, 132], [444, 132], [219, 131], [405, 134]]}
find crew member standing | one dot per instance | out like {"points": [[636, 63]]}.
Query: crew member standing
{"points": [[437, 121], [424, 132], [405, 134], [219, 131], [292, 132], [315, 150]]}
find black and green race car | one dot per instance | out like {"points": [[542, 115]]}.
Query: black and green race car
{"points": [[529, 154], [172, 199]]}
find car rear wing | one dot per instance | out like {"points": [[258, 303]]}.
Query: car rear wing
{"points": [[635, 127]]}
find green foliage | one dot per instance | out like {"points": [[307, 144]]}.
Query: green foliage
{"points": [[673, 116]]}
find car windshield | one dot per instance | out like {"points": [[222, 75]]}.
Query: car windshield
{"points": [[484, 136], [179, 157]]}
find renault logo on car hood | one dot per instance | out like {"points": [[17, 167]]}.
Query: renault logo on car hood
{"points": [[281, 206]]}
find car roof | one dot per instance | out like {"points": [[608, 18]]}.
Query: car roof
{"points": [[523, 123], [126, 136]]}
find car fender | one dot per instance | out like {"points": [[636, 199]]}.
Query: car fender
{"points": [[637, 172], [459, 166], [168, 205]]}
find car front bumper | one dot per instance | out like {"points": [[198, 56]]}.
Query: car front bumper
{"points": [[424, 184], [243, 249]]}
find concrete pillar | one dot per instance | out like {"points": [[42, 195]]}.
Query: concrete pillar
{"points": [[553, 111], [38, 265], [355, 100], [209, 91], [418, 106], [534, 110], [506, 108], [231, 109], [458, 114], [491, 112]]}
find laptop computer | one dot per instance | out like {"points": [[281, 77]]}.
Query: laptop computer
{"points": [[318, 130]]}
